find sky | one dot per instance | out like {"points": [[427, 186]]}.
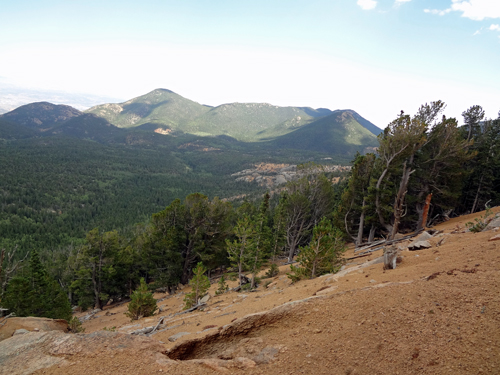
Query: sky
{"points": [[377, 57]]}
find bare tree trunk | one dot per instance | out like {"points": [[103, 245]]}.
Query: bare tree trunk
{"points": [[400, 198], [474, 206], [425, 213], [359, 239], [371, 236]]}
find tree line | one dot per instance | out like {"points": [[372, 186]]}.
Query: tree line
{"points": [[424, 158]]}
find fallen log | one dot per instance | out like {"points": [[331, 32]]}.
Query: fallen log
{"points": [[384, 244]]}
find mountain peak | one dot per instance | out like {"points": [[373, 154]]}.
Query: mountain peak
{"points": [[41, 114]]}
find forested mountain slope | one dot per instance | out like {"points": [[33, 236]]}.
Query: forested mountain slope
{"points": [[244, 121], [41, 115]]}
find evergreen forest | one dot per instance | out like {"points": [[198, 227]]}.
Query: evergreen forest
{"points": [[88, 221]]}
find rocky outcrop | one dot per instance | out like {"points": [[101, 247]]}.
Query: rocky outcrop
{"points": [[27, 353], [270, 175], [421, 242], [31, 324]]}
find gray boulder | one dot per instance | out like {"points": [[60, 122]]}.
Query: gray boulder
{"points": [[495, 223]]}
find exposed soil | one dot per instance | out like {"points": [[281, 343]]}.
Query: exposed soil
{"points": [[438, 312]]}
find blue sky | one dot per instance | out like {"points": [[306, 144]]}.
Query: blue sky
{"points": [[376, 57]]}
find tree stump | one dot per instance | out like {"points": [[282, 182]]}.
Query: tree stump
{"points": [[390, 257]]}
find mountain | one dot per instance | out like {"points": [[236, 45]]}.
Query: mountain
{"points": [[89, 126], [41, 115], [160, 106], [244, 121], [11, 130], [340, 133], [164, 118], [252, 121]]}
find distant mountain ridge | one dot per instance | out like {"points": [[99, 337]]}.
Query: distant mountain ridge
{"points": [[41, 114], [248, 122], [165, 118]]}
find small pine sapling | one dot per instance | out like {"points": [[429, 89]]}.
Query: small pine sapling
{"points": [[142, 304], [272, 271], [322, 255], [222, 286], [199, 284]]}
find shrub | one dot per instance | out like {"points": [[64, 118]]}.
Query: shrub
{"points": [[75, 326], [199, 284], [142, 304], [480, 222]]}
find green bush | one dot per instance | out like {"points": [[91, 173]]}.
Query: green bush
{"points": [[142, 304], [480, 222], [75, 326]]}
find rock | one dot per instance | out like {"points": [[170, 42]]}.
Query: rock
{"points": [[424, 236], [495, 223], [243, 363], [28, 353], [495, 238], [326, 290], [418, 245], [20, 331], [177, 336], [30, 324], [205, 299]]}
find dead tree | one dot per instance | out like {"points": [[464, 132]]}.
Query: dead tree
{"points": [[8, 267]]}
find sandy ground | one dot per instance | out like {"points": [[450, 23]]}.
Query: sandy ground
{"points": [[438, 312]]}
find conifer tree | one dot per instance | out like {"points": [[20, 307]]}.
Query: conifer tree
{"points": [[240, 250], [260, 251], [142, 303], [222, 286], [322, 255], [37, 295], [199, 284]]}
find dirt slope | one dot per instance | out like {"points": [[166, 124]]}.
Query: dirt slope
{"points": [[437, 313]]}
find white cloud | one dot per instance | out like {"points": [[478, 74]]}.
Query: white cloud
{"points": [[477, 32], [437, 11], [476, 10], [367, 4], [495, 27]]}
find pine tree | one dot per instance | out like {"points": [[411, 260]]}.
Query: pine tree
{"points": [[199, 284], [240, 250], [142, 303], [322, 255], [222, 286], [37, 295], [260, 252]]}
